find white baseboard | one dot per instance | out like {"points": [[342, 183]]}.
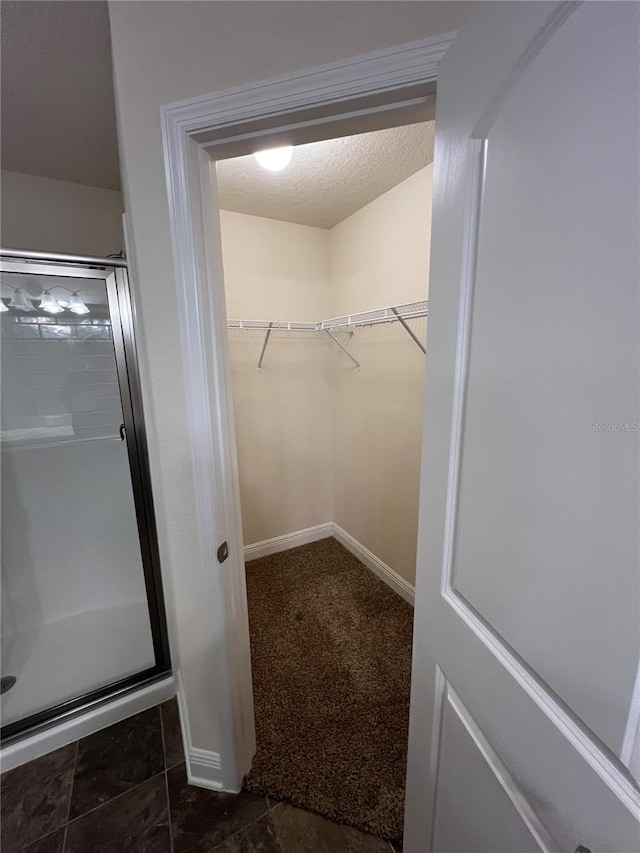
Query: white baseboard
{"points": [[382, 570], [74, 728], [323, 531], [204, 767], [288, 541]]}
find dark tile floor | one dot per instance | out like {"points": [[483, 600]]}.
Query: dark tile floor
{"points": [[124, 790]]}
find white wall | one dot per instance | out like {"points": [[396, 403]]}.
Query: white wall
{"points": [[380, 254], [317, 440], [279, 271], [163, 52], [380, 257], [57, 216]]}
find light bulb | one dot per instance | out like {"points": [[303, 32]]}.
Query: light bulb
{"points": [[274, 159], [49, 304], [77, 305], [20, 302]]}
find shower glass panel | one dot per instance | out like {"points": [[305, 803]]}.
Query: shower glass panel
{"points": [[80, 598]]}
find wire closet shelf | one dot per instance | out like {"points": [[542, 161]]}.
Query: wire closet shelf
{"points": [[346, 323]]}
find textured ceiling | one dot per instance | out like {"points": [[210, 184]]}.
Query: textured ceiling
{"points": [[58, 112], [326, 182]]}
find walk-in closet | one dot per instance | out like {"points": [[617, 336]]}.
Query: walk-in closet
{"points": [[326, 266]]}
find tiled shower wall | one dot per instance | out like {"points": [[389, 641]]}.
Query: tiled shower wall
{"points": [[60, 376]]}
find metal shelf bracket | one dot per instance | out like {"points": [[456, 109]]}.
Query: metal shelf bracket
{"points": [[264, 347], [343, 348], [410, 331]]}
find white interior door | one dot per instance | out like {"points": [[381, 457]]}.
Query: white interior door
{"points": [[524, 724]]}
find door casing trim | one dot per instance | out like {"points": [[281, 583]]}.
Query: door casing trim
{"points": [[292, 107]]}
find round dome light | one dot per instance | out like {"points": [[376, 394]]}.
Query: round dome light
{"points": [[275, 159]]}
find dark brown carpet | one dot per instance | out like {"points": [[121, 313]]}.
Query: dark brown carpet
{"points": [[331, 652]]}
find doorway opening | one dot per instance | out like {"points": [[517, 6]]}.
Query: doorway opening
{"points": [[326, 264], [383, 89]]}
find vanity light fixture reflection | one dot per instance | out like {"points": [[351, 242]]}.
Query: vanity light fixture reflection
{"points": [[49, 304], [77, 306], [20, 302]]}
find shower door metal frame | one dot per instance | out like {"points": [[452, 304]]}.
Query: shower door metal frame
{"points": [[114, 273]]}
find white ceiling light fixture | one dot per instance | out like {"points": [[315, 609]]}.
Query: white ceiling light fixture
{"points": [[275, 159], [3, 307], [49, 303]]}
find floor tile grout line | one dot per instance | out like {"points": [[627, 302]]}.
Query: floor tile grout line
{"points": [[167, 767], [164, 748], [166, 778], [166, 788], [251, 823], [73, 784], [274, 826], [285, 804], [117, 796], [113, 799], [276, 831]]}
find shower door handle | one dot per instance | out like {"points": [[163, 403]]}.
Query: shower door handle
{"points": [[123, 432]]}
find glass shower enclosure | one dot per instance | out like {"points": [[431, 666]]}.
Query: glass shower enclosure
{"points": [[81, 596]]}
